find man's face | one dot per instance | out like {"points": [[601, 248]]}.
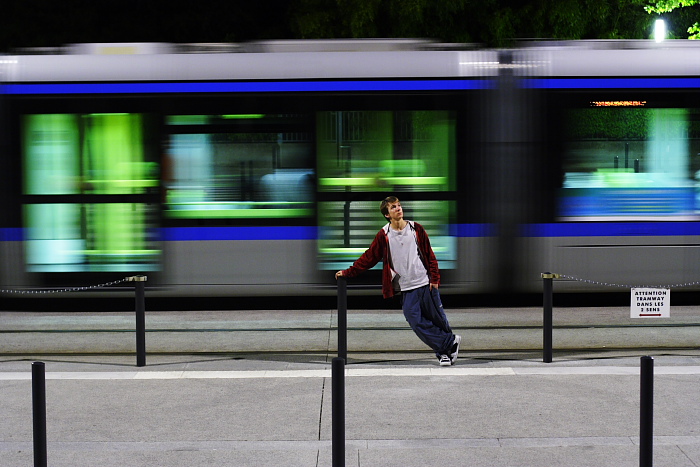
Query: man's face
{"points": [[395, 211]]}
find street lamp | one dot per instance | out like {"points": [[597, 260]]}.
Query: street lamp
{"points": [[660, 30]]}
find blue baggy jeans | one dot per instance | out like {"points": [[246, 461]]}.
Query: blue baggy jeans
{"points": [[423, 310]]}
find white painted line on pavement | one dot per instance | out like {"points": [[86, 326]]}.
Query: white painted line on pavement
{"points": [[449, 371], [354, 372]]}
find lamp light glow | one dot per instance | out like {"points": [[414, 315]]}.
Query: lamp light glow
{"points": [[659, 30]]}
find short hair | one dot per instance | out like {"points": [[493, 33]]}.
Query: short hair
{"points": [[384, 206]]}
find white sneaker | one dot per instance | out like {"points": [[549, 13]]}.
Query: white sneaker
{"points": [[445, 360], [454, 351]]}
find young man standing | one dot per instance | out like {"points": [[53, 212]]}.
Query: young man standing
{"points": [[410, 267]]}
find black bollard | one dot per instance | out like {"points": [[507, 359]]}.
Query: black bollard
{"points": [[646, 413], [342, 318], [338, 408], [39, 413], [140, 319], [547, 300]]}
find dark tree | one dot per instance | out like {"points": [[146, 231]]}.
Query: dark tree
{"points": [[494, 23]]}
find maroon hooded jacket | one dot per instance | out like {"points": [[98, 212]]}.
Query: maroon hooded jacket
{"points": [[379, 251]]}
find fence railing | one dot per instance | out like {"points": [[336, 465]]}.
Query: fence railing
{"points": [[45, 290], [638, 286], [140, 308], [548, 297]]}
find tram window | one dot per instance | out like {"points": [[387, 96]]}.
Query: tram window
{"points": [[386, 151], [348, 228], [383, 152], [73, 165], [89, 154], [239, 166], [630, 162], [100, 237]]}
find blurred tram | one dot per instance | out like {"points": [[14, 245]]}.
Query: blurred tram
{"points": [[625, 163], [257, 169]]}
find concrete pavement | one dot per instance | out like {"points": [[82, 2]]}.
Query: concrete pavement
{"points": [[255, 389], [223, 331]]}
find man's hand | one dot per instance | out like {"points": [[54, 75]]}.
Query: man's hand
{"points": [[338, 274], [434, 286]]}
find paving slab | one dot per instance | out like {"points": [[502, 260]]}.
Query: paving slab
{"points": [[239, 331], [254, 389]]}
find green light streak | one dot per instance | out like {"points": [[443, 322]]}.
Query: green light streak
{"points": [[368, 181], [238, 213], [243, 116]]}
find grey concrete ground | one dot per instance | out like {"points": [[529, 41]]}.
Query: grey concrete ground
{"points": [[254, 389]]}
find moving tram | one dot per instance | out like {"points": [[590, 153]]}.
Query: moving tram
{"points": [[257, 169]]}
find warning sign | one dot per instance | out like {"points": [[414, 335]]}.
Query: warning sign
{"points": [[650, 303]]}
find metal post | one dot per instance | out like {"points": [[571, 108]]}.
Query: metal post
{"points": [[338, 408], [547, 299], [342, 318], [140, 319], [39, 412], [646, 415]]}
